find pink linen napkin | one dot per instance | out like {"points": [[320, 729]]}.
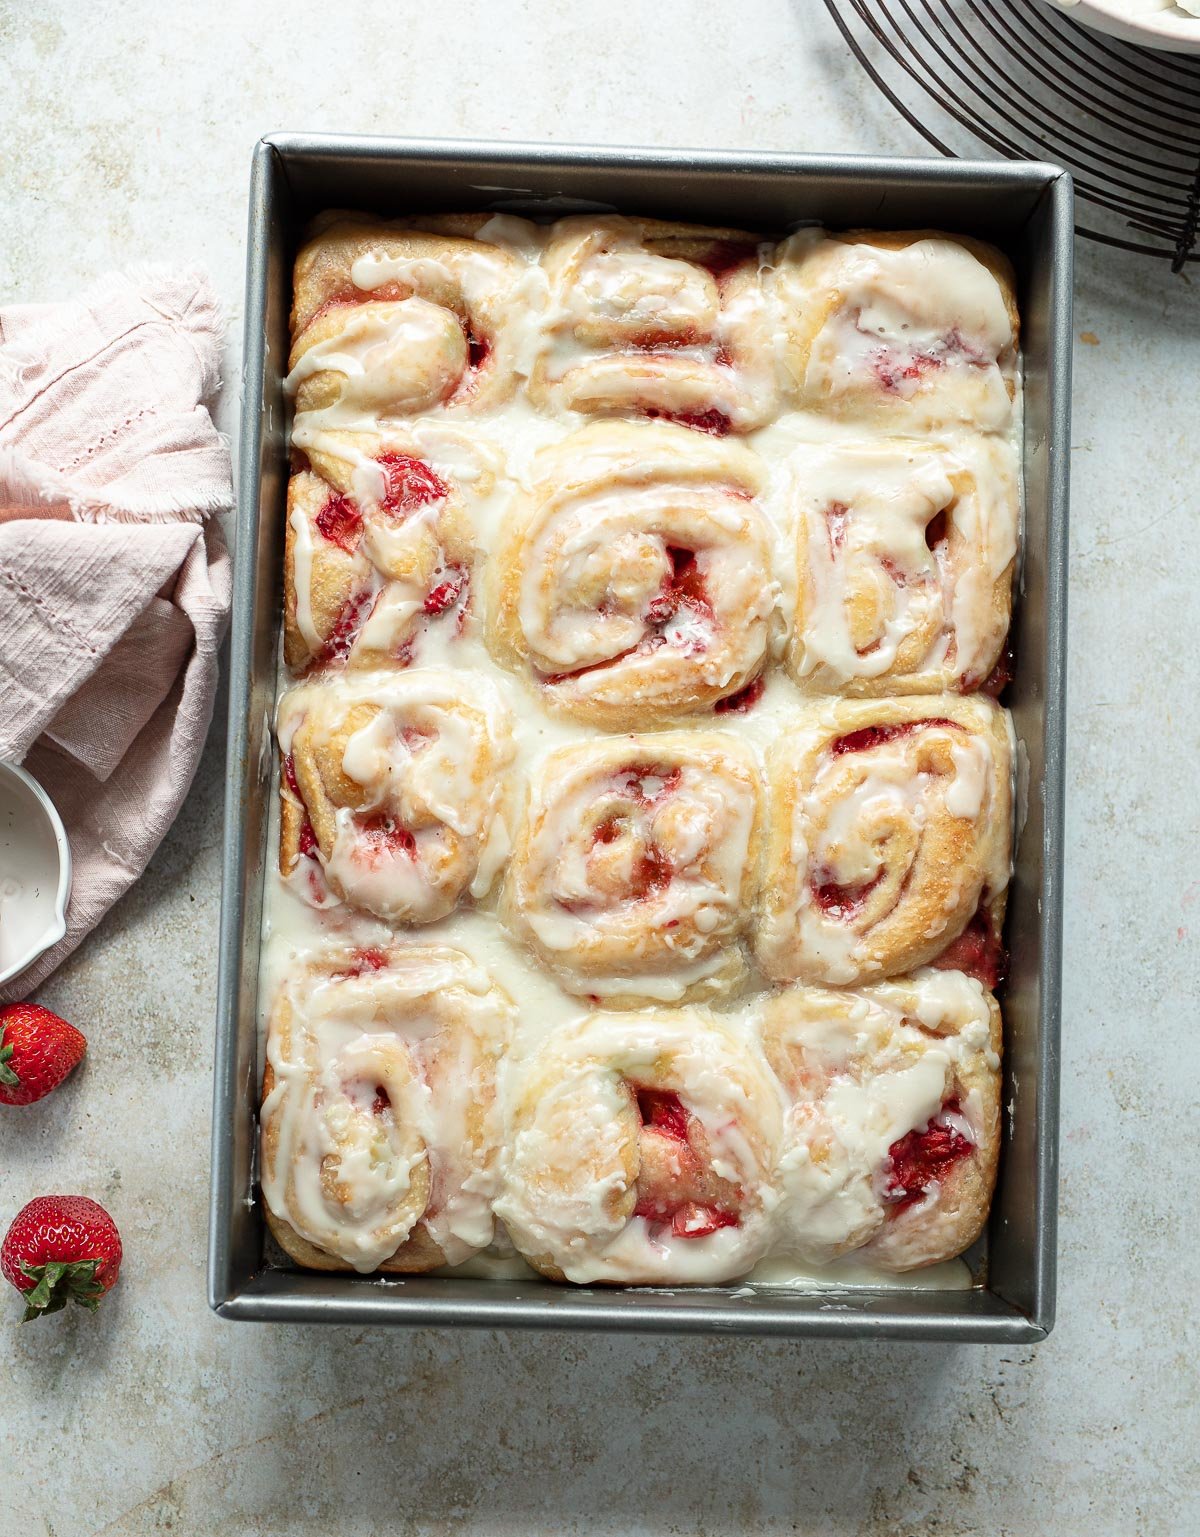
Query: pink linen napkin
{"points": [[114, 584]]}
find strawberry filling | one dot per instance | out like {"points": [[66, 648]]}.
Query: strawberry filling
{"points": [[744, 700], [936, 530], [923, 1158], [447, 593], [837, 516], [381, 1102], [998, 679], [408, 484], [308, 838], [723, 256], [683, 588], [340, 640], [842, 901], [714, 422], [479, 349], [652, 870], [383, 835], [664, 1110], [978, 950], [663, 1114], [868, 737], [340, 522]]}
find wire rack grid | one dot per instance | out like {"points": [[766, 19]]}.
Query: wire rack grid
{"points": [[1029, 82]]}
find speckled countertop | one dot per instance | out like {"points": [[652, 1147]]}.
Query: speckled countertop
{"points": [[127, 135]]}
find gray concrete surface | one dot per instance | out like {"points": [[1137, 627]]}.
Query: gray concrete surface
{"points": [[127, 130]]}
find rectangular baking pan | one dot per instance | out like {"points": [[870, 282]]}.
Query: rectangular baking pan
{"points": [[1026, 208]]}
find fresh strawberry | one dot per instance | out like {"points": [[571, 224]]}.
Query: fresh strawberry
{"points": [[60, 1249], [37, 1051]]}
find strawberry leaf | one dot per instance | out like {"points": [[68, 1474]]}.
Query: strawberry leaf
{"points": [[8, 1075], [60, 1282]]}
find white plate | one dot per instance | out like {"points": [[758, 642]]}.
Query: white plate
{"points": [[35, 871], [1138, 21]]}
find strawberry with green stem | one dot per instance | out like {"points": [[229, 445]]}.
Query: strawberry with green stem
{"points": [[60, 1249], [37, 1051]]}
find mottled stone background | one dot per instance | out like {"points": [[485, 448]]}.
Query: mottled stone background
{"points": [[126, 136]]}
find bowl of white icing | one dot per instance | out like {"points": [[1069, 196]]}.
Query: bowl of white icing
{"points": [[35, 871], [1173, 25]]}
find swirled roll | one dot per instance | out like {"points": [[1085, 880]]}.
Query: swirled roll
{"points": [[891, 1142], [641, 1152], [392, 319], [890, 830], [379, 548], [396, 784], [634, 870], [380, 1126], [905, 555], [635, 584], [908, 331], [669, 320]]}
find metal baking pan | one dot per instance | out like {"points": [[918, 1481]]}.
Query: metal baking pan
{"points": [[1026, 208]]}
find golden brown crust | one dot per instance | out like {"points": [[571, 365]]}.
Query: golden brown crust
{"points": [[664, 489], [900, 835]]}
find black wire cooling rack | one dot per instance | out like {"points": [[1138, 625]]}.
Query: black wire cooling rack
{"points": [[1029, 82]]}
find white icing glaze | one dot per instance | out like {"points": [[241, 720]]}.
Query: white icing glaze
{"points": [[577, 1141], [870, 1077], [492, 460], [353, 1178], [876, 598], [920, 327], [431, 760]]}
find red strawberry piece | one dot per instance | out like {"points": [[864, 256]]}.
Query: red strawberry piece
{"points": [[60, 1249], [37, 1051]]}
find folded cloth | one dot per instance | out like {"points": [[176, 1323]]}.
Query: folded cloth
{"points": [[114, 582]]}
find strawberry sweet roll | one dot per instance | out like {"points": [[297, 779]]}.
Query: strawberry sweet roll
{"points": [[891, 1141], [415, 315], [668, 320], [634, 870], [380, 1123], [379, 551], [397, 786], [908, 332], [640, 1151], [904, 555], [635, 583], [889, 841]]}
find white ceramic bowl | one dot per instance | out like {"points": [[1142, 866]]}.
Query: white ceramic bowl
{"points": [[35, 871], [1135, 21]]}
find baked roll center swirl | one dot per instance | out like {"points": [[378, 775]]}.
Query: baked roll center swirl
{"points": [[890, 824], [380, 1122], [636, 584], [641, 1151], [636, 863], [400, 783], [669, 321], [891, 1142]]}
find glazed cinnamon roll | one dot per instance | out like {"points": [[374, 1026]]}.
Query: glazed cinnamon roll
{"points": [[380, 1126], [379, 549], [641, 1151], [905, 556], [891, 1143], [668, 320], [635, 867], [635, 582], [890, 831], [391, 319], [908, 331], [396, 785]]}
